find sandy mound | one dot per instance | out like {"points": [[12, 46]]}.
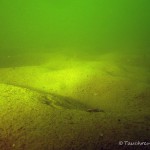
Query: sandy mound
{"points": [[56, 105]]}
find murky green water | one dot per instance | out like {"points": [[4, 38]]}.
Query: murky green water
{"points": [[74, 74], [97, 26]]}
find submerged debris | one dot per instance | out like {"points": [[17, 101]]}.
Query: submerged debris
{"points": [[45, 100], [95, 110]]}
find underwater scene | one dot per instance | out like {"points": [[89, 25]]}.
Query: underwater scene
{"points": [[75, 75]]}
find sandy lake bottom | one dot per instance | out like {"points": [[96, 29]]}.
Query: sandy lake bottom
{"points": [[53, 102]]}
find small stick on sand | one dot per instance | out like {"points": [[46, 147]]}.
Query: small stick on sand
{"points": [[95, 110]]}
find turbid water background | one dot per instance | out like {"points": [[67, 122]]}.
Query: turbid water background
{"points": [[74, 75]]}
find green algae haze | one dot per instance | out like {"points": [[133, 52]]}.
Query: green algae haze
{"points": [[91, 25], [74, 74]]}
